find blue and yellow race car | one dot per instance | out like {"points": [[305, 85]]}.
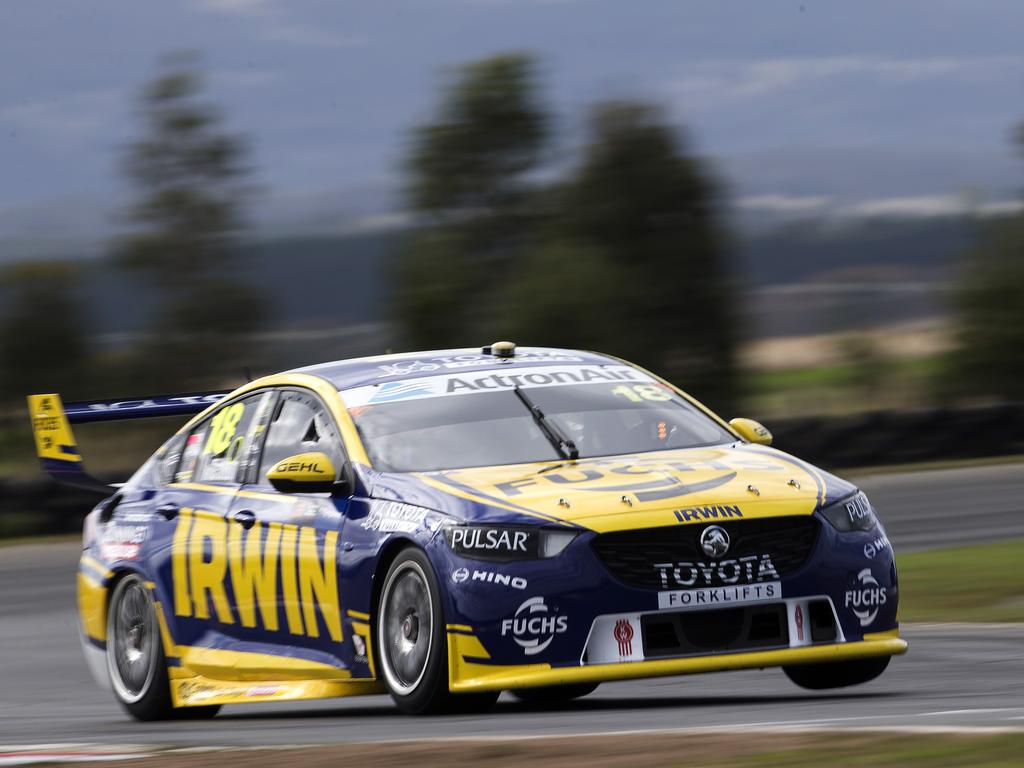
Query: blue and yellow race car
{"points": [[447, 525]]}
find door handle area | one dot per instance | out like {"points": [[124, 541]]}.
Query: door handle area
{"points": [[245, 518], [168, 510]]}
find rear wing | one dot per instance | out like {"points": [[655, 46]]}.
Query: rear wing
{"points": [[55, 442]]}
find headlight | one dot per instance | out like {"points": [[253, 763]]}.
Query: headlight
{"points": [[851, 514], [507, 542]]}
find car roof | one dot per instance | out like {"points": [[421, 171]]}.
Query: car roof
{"points": [[362, 371]]}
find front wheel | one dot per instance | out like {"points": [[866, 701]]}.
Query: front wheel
{"points": [[135, 657], [820, 677], [411, 640]]}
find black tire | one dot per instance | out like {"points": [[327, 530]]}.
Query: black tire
{"points": [[135, 656], [840, 674], [414, 658], [554, 694]]}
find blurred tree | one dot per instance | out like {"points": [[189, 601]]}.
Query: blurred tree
{"points": [[42, 333], [987, 361], [627, 255], [469, 185], [190, 179], [652, 209]]}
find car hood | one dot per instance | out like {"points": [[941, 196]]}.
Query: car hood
{"points": [[630, 491]]}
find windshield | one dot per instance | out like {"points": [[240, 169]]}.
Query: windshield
{"points": [[475, 420]]}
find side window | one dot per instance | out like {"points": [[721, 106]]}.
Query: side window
{"points": [[300, 425], [217, 448], [169, 457]]}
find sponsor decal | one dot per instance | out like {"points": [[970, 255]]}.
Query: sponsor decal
{"points": [[717, 596], [658, 485], [462, 575], [283, 577], [743, 570], [359, 646], [164, 402], [714, 540], [534, 626], [220, 470], [190, 691], [400, 390], [392, 516], [858, 508], [866, 598], [697, 514], [875, 546], [623, 634], [445, 384], [122, 542], [406, 367], [134, 515], [474, 539], [313, 467], [258, 691], [308, 511]]}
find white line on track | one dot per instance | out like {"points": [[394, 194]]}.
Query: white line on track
{"points": [[29, 756], [970, 711]]}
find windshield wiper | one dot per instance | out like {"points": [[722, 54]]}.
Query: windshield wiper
{"points": [[566, 448]]}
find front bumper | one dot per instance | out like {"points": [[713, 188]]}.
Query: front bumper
{"points": [[467, 674], [571, 620]]}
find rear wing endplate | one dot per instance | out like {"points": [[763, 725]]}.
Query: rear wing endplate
{"points": [[55, 442]]}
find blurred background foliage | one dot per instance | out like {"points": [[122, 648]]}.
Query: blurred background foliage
{"points": [[621, 243]]}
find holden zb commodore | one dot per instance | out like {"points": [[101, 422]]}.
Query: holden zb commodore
{"points": [[448, 525]]}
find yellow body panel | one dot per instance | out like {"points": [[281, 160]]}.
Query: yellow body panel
{"points": [[50, 427], [470, 676], [198, 691], [92, 607], [253, 667], [315, 467], [752, 431], [643, 490]]}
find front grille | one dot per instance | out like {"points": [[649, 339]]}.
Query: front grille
{"points": [[633, 556], [723, 629], [752, 627]]}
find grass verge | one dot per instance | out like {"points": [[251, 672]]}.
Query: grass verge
{"points": [[981, 582], [707, 750]]}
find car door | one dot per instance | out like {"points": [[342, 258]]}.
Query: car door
{"points": [[190, 518], [284, 547]]}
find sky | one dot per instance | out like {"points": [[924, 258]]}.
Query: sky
{"points": [[844, 107]]}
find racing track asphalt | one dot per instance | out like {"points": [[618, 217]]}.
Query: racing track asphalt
{"points": [[954, 675]]}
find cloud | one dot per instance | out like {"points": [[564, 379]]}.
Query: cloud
{"points": [[244, 78], [783, 203], [271, 20], [306, 35], [721, 81], [910, 206], [923, 206], [235, 7], [75, 116]]}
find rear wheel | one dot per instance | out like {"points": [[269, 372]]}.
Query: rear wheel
{"points": [[819, 677], [135, 657], [554, 694], [411, 640]]}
